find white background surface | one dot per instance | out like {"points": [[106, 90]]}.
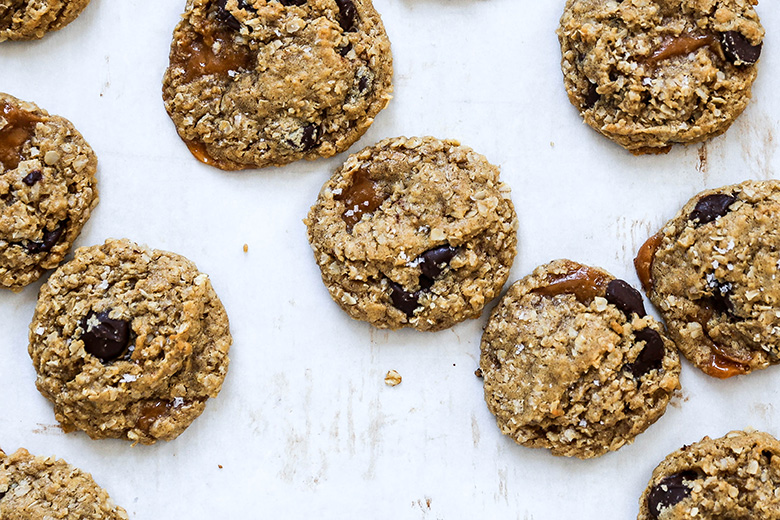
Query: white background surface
{"points": [[305, 425]]}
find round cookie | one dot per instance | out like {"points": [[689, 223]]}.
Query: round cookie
{"points": [[651, 73], [42, 488], [253, 83], [32, 19], [735, 477], [713, 271], [572, 363], [414, 232], [129, 342], [47, 190]]}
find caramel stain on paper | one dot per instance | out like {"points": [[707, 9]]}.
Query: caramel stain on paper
{"points": [[48, 429], [701, 166]]}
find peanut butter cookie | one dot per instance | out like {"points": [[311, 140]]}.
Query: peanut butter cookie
{"points": [[571, 362], [47, 190], [415, 233], [736, 477], [253, 83], [31, 19], [129, 342], [651, 73], [714, 273]]}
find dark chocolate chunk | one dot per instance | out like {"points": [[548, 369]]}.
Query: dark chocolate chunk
{"points": [[652, 355], [108, 339], [711, 207], [592, 96], [625, 298], [31, 178], [720, 301], [404, 301], [363, 84], [738, 49], [292, 2], [347, 15], [228, 19], [425, 282], [311, 137], [50, 239], [345, 50], [669, 492], [433, 261]]}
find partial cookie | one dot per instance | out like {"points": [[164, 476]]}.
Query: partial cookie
{"points": [[714, 273], [571, 362], [414, 233], [652, 73], [43, 488], [47, 190], [31, 19], [736, 477], [254, 83], [129, 342]]}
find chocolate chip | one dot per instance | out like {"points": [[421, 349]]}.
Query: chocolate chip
{"points": [[720, 301], [31, 178], [652, 355], [311, 137], [433, 261], [592, 96], [404, 301], [228, 19], [363, 84], [767, 454], [625, 298], [738, 49], [711, 207], [292, 2], [669, 491], [107, 339], [345, 50], [426, 282], [347, 15], [50, 239]]}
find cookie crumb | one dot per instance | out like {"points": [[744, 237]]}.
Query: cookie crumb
{"points": [[246, 248], [478, 373], [392, 378], [219, 466]]}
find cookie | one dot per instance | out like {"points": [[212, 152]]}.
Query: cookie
{"points": [[43, 488], [47, 190], [254, 83], [32, 19], [571, 362], [652, 73], [414, 232], [736, 477], [713, 271], [129, 342]]}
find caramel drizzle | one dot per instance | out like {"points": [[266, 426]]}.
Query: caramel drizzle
{"points": [[361, 198], [720, 363], [584, 282], [680, 46], [214, 52], [150, 413], [19, 128], [198, 150], [643, 263]]}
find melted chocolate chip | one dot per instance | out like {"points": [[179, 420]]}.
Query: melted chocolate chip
{"points": [[669, 491], [228, 19], [363, 84], [625, 298], [651, 357], [50, 239], [404, 301], [107, 339], [347, 15], [592, 96], [738, 49], [720, 301], [33, 177], [311, 137], [711, 207], [292, 2], [433, 261]]}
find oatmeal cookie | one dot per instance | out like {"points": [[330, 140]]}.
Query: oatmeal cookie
{"points": [[44, 488], [129, 342], [32, 19], [651, 73], [736, 477], [47, 190], [571, 362], [414, 232], [714, 273], [253, 83]]}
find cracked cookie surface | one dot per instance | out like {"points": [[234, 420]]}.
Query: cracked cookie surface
{"points": [[32, 19], [572, 363], [735, 477], [651, 73], [713, 271], [254, 83], [43, 488], [416, 232], [129, 342], [47, 190]]}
